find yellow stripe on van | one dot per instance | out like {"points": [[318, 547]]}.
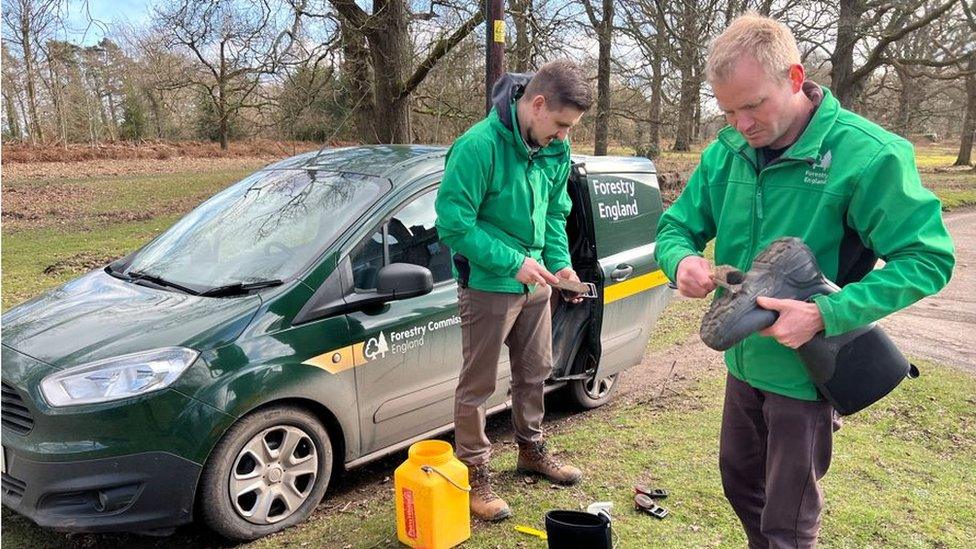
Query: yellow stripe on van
{"points": [[340, 359], [633, 286]]}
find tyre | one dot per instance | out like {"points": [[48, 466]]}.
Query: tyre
{"points": [[267, 473], [592, 392]]}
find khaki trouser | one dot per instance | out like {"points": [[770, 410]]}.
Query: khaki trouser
{"points": [[488, 319]]}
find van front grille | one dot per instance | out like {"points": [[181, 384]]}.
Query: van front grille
{"points": [[14, 414]]}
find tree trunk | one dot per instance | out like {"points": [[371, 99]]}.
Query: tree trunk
{"points": [[357, 71], [390, 51], [689, 81], [10, 108], [842, 83], [34, 124], [969, 123], [157, 113], [521, 11], [605, 31], [906, 102], [8, 105], [222, 99], [657, 83]]}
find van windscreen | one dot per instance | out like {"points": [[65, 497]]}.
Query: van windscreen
{"points": [[269, 226]]}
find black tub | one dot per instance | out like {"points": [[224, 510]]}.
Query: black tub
{"points": [[570, 529]]}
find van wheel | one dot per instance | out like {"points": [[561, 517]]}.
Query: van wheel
{"points": [[592, 393], [267, 473]]}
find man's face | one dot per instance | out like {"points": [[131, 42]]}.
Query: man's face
{"points": [[544, 124], [760, 107]]}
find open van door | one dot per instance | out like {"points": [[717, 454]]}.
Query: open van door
{"points": [[576, 327], [626, 205]]}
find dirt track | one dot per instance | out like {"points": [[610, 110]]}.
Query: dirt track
{"points": [[942, 328]]}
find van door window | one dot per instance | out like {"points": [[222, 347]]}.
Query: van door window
{"points": [[409, 237]]}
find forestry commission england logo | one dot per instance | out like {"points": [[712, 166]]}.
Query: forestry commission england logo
{"points": [[376, 346], [817, 173]]}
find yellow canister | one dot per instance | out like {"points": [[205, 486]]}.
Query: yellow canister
{"points": [[431, 491]]}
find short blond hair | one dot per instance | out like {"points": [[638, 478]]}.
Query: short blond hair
{"points": [[767, 40]]}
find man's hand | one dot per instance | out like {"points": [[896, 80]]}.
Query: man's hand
{"points": [[567, 273], [693, 277], [798, 321], [533, 273]]}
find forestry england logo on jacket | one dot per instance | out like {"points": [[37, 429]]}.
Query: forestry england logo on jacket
{"points": [[817, 173]]}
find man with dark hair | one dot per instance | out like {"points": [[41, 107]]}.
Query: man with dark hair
{"points": [[502, 209]]}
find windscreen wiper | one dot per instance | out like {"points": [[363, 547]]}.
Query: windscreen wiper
{"points": [[239, 288], [139, 276]]}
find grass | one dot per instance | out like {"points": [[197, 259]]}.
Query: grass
{"points": [[900, 477], [116, 216]]}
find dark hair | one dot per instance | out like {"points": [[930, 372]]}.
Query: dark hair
{"points": [[562, 83]]}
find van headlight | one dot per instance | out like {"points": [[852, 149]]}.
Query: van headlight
{"points": [[117, 377]]}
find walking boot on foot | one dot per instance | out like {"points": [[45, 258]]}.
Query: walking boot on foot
{"points": [[485, 504], [535, 458]]}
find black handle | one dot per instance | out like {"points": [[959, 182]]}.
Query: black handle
{"points": [[622, 272]]}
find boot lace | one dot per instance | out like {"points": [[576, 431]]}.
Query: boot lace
{"points": [[481, 486], [542, 454]]}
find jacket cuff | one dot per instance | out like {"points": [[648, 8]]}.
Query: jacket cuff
{"points": [[828, 314], [518, 260], [670, 262], [557, 266]]}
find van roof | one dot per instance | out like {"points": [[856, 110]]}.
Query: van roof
{"points": [[402, 162], [376, 160]]}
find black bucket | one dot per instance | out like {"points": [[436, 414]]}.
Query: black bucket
{"points": [[570, 529]]}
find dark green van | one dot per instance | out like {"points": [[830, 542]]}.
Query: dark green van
{"points": [[300, 322]]}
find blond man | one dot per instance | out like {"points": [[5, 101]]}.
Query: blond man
{"points": [[793, 162]]}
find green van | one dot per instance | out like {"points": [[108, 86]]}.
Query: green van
{"points": [[298, 323]]}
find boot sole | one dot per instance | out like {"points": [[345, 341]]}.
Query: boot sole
{"points": [[530, 472], [733, 317], [502, 515]]}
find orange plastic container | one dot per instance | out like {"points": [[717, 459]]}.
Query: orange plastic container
{"points": [[431, 491]]}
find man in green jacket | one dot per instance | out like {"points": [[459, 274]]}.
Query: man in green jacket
{"points": [[793, 162], [502, 209]]}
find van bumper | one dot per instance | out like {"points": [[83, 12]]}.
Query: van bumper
{"points": [[150, 492]]}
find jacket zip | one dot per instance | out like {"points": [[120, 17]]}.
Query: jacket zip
{"points": [[757, 223]]}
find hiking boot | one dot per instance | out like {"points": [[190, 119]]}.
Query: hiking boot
{"points": [[534, 458], [786, 269], [485, 504]]}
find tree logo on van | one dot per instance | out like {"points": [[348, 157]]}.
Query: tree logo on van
{"points": [[376, 346]]}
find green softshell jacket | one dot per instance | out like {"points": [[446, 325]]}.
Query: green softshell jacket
{"points": [[847, 188], [499, 201]]}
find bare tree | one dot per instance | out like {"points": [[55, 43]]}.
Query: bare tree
{"points": [[690, 27], [26, 24], [387, 39], [11, 94], [969, 123], [234, 43], [603, 25], [875, 26]]}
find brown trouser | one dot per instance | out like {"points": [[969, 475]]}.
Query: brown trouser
{"points": [[488, 319], [773, 450]]}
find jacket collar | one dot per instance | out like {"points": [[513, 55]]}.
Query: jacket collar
{"points": [[808, 145]]}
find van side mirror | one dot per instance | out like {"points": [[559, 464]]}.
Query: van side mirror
{"points": [[403, 281], [336, 296]]}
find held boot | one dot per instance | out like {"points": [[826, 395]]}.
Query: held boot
{"points": [[786, 269], [850, 370], [534, 458], [485, 504]]}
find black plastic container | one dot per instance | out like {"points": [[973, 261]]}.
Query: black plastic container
{"points": [[576, 529]]}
